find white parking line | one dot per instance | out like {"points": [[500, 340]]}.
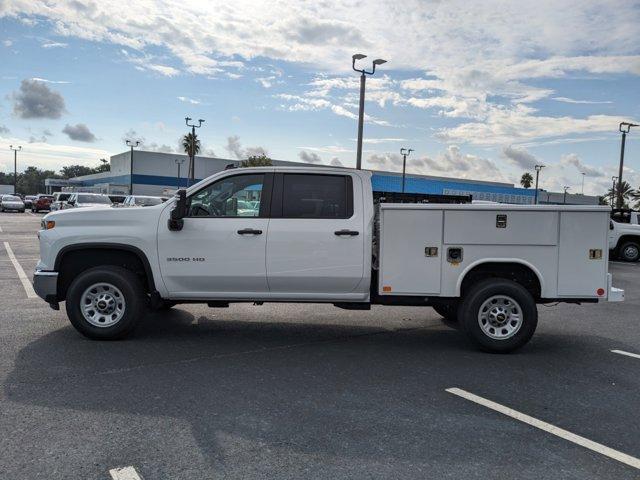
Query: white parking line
{"points": [[547, 427], [21, 275], [628, 354], [125, 473]]}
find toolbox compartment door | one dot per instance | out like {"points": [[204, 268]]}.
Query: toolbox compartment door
{"points": [[578, 275], [406, 268]]}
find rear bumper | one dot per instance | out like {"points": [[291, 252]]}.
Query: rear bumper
{"points": [[45, 285], [614, 294]]}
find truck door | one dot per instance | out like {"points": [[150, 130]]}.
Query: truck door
{"points": [[220, 250], [315, 244]]}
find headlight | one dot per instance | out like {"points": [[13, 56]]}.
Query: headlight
{"points": [[47, 224]]}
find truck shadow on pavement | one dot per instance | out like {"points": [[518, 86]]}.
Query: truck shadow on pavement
{"points": [[290, 396]]}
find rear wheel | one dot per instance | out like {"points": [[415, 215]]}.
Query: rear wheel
{"points": [[629, 252], [499, 315], [105, 303]]}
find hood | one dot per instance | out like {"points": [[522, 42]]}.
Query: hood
{"points": [[104, 215]]}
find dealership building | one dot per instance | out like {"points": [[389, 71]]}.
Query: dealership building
{"points": [[156, 173]]}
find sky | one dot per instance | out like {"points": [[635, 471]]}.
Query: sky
{"points": [[479, 90]]}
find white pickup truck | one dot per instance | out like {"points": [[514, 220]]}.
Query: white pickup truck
{"points": [[280, 234], [624, 239]]}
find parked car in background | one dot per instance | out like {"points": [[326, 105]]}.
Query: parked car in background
{"points": [[11, 203], [28, 200], [117, 200], [143, 201], [624, 240], [59, 200], [41, 202], [82, 200]]}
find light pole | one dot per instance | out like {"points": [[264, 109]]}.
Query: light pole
{"points": [[179, 162], [131, 143], [538, 169], [565, 194], [404, 152], [192, 153], [15, 166], [624, 128], [583, 174], [363, 80]]}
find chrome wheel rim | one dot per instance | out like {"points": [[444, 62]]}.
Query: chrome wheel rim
{"points": [[500, 317], [631, 252], [102, 305]]}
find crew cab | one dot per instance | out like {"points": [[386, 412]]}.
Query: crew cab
{"points": [[310, 234]]}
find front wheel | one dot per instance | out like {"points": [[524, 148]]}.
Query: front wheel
{"points": [[629, 252], [499, 315], [105, 303]]}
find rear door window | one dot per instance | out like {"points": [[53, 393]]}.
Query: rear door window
{"points": [[316, 196]]}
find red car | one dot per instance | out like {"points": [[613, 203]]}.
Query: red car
{"points": [[41, 202]]}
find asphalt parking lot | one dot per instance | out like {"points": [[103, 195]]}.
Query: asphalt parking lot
{"points": [[311, 391]]}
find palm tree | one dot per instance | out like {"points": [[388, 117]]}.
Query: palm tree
{"points": [[191, 141], [527, 180], [627, 192]]}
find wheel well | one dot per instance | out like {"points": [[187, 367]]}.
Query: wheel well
{"points": [[628, 238], [71, 263], [516, 272]]}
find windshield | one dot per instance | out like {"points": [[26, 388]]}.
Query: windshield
{"points": [[63, 196], [148, 201], [93, 199]]}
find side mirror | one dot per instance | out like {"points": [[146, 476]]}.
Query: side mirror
{"points": [[175, 222]]}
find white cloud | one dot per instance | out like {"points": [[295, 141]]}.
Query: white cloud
{"points": [[192, 101], [54, 45], [234, 147], [309, 157], [520, 157], [585, 102]]}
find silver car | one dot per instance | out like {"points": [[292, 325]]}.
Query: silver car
{"points": [[11, 202], [80, 200]]}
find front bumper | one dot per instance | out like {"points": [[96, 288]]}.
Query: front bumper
{"points": [[46, 285]]}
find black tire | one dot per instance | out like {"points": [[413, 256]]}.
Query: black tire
{"points": [[629, 251], [127, 282], [34, 211], [486, 291]]}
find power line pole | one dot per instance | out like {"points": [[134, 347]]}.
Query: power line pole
{"points": [[192, 153], [624, 128], [15, 167], [363, 81], [132, 144], [404, 152], [538, 169]]}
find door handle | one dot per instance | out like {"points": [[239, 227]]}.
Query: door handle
{"points": [[249, 231], [350, 233]]}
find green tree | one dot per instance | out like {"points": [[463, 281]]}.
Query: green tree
{"points": [[256, 161], [627, 193], [71, 171], [31, 181], [104, 166], [526, 180], [191, 142]]}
